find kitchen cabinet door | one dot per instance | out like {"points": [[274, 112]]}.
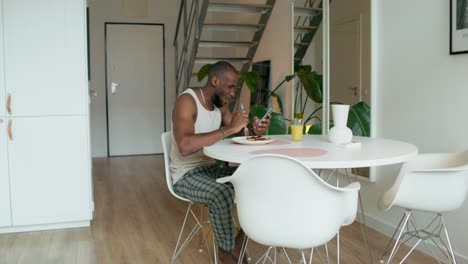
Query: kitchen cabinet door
{"points": [[2, 69], [50, 174], [45, 56], [5, 210]]}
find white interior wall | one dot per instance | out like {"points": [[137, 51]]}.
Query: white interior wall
{"points": [[101, 11], [276, 46], [420, 97]]}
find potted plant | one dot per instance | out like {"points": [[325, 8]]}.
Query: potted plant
{"points": [[308, 81]]}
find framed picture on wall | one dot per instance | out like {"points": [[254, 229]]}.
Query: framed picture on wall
{"points": [[458, 26]]}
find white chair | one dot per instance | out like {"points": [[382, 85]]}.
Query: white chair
{"points": [[433, 183], [282, 203], [200, 222]]}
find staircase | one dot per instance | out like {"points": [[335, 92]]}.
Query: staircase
{"points": [[210, 31], [307, 18]]}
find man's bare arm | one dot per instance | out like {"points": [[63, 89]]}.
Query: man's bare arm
{"points": [[184, 116]]}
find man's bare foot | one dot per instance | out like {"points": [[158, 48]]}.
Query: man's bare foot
{"points": [[225, 257], [238, 247]]}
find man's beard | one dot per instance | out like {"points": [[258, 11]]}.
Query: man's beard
{"points": [[217, 101]]}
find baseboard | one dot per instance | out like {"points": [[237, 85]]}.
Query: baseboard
{"points": [[388, 229], [5, 230]]}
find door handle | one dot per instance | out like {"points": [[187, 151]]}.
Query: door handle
{"points": [[8, 105], [114, 87], [10, 132]]}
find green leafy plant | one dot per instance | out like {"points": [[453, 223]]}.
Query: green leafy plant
{"points": [[311, 83]]}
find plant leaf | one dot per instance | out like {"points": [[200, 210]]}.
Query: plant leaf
{"points": [[359, 119], [203, 72], [316, 129], [311, 86], [306, 68], [290, 77], [251, 79]]}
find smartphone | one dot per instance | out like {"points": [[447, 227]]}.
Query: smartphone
{"points": [[269, 111]]}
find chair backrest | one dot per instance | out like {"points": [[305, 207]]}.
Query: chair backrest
{"points": [[430, 182], [167, 146], [282, 203]]}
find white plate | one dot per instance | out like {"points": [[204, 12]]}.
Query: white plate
{"points": [[243, 140]]}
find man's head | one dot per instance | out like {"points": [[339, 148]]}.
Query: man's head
{"points": [[223, 78]]}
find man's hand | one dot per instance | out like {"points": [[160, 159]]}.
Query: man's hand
{"points": [[260, 127], [239, 121]]}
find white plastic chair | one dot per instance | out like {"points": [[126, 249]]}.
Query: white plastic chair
{"points": [[200, 222], [434, 183], [282, 203]]}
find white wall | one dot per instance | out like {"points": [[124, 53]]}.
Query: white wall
{"points": [[276, 46], [421, 94], [101, 11]]}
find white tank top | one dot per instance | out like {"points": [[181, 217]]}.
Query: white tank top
{"points": [[206, 122]]}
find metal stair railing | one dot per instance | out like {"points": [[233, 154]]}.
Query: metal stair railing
{"points": [[186, 39], [308, 19], [191, 49]]}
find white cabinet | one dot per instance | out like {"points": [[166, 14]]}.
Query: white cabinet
{"points": [[5, 217], [2, 70], [49, 171], [5, 210], [45, 56], [45, 164]]}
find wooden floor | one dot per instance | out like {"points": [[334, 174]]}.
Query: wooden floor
{"points": [[136, 220]]}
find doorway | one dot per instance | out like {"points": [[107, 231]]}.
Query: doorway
{"points": [[135, 88]]}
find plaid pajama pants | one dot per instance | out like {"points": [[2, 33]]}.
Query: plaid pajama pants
{"points": [[199, 185]]}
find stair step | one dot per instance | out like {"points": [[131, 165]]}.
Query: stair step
{"points": [[241, 8], [304, 29], [307, 11], [224, 44], [233, 27], [205, 60], [301, 44]]}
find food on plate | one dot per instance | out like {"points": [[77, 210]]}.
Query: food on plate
{"points": [[258, 138]]}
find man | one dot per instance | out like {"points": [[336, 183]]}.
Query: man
{"points": [[201, 117]]}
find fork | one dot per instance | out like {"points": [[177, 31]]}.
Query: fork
{"points": [[246, 130]]}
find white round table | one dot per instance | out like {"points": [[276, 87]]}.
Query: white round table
{"points": [[316, 151]]}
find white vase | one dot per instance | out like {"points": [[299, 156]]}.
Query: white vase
{"points": [[340, 133]]}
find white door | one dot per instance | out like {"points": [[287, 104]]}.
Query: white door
{"points": [[5, 211], [345, 63], [45, 56], [49, 170], [135, 88]]}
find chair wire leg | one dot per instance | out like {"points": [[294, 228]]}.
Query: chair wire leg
{"points": [[243, 251], [303, 258], [311, 255], [200, 248], [326, 252], [266, 255], [286, 255], [436, 232], [274, 256], [215, 250], [338, 247], [448, 240], [363, 224], [176, 252], [384, 254], [396, 245]]}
